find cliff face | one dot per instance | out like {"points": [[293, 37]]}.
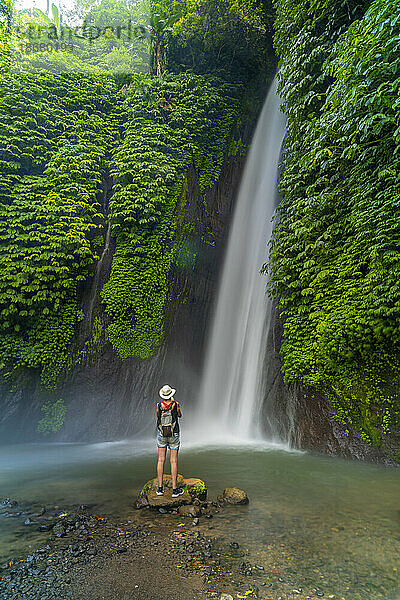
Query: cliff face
{"points": [[109, 399], [303, 416]]}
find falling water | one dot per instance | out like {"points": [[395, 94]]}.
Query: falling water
{"points": [[231, 394]]}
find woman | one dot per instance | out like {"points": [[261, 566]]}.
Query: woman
{"points": [[168, 411]]}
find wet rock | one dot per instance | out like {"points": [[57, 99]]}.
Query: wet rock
{"points": [[9, 502], [152, 484], [195, 488], [27, 521], [166, 501], [59, 530], [189, 510], [141, 502], [235, 495]]}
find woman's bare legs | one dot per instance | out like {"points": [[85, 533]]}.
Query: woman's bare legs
{"points": [[173, 456], [160, 465]]}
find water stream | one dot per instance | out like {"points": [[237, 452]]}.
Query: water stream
{"points": [[231, 394]]}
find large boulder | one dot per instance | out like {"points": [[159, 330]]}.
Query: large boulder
{"points": [[234, 495], [193, 489], [166, 500], [152, 484]]}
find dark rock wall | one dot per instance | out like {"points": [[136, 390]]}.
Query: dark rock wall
{"points": [[304, 417]]}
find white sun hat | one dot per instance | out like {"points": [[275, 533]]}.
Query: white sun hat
{"points": [[166, 392]]}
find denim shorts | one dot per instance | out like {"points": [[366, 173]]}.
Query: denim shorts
{"points": [[172, 442]]}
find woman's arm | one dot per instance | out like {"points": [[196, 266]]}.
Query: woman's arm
{"points": [[178, 408]]}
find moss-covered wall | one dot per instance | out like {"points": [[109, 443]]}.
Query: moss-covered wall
{"points": [[335, 255]]}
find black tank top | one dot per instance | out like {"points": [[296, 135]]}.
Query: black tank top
{"points": [[174, 413]]}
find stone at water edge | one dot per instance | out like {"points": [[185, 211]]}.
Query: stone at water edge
{"points": [[152, 484], [166, 500], [225, 597], [195, 488], [189, 511], [141, 502], [234, 495]]}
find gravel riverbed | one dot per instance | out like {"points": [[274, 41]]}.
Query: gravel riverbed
{"points": [[85, 554]]}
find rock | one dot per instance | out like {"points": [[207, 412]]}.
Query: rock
{"points": [[59, 530], [196, 488], [141, 502], [189, 510], [235, 496], [152, 485], [225, 597], [195, 521], [9, 502], [166, 501]]}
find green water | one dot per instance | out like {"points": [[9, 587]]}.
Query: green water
{"points": [[315, 522]]}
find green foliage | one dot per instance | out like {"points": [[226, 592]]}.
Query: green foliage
{"points": [[226, 36], [177, 121], [335, 254], [54, 415], [6, 9], [109, 36], [53, 152]]}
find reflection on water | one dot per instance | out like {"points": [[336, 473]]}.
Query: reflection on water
{"points": [[317, 521]]}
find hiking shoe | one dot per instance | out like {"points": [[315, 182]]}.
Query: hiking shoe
{"points": [[177, 492], [160, 491]]}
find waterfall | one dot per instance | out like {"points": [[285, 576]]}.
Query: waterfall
{"points": [[231, 394]]}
